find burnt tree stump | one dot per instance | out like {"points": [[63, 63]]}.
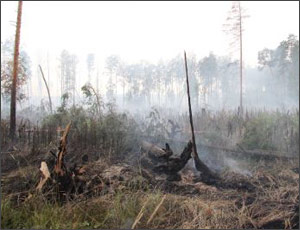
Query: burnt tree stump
{"points": [[160, 160]]}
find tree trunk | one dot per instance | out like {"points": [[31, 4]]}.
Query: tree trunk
{"points": [[15, 74], [241, 63], [200, 166]]}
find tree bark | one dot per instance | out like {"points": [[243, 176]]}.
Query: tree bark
{"points": [[15, 75]]}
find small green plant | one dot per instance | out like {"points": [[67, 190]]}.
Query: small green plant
{"points": [[258, 133]]}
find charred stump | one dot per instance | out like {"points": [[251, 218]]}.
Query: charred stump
{"points": [[55, 172], [160, 160]]}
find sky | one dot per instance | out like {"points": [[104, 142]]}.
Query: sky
{"points": [[151, 31]]}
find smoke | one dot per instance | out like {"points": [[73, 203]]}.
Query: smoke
{"points": [[219, 163], [235, 166]]}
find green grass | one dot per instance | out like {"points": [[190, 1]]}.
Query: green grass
{"points": [[271, 131], [32, 215], [117, 211]]}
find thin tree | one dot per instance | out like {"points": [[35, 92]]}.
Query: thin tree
{"points": [[15, 74], [234, 27], [68, 65], [200, 166], [90, 61]]}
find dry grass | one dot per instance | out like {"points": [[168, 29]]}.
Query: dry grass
{"points": [[273, 204]]}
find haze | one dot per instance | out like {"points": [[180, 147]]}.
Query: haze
{"points": [[151, 31]]}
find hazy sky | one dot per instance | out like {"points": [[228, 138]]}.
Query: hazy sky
{"points": [[145, 30]]}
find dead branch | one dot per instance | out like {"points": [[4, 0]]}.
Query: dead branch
{"points": [[50, 102]]}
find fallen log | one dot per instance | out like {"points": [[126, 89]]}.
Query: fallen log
{"points": [[258, 153]]}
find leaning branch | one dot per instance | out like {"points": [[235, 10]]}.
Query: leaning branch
{"points": [[50, 102]]}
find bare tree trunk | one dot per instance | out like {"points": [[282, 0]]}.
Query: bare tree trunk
{"points": [[159, 91], [73, 78], [241, 62], [200, 166], [15, 75], [50, 102], [62, 79], [48, 68]]}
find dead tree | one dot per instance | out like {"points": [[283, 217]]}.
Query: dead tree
{"points": [[200, 166], [235, 26], [15, 75]]}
